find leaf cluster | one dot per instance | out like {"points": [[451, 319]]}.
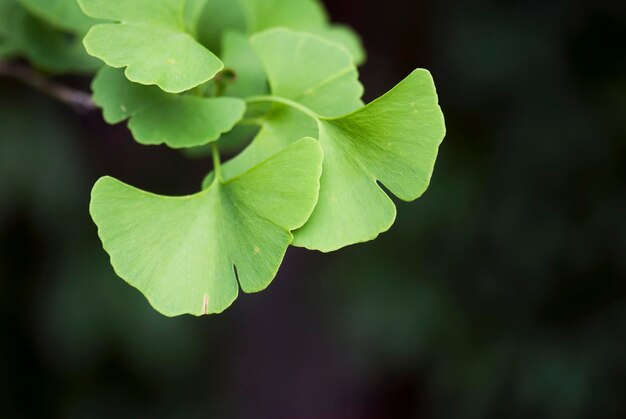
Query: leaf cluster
{"points": [[201, 75], [48, 34]]}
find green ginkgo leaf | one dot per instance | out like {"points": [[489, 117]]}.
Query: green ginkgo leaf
{"points": [[50, 49], [192, 13], [303, 15], [346, 37], [9, 44], [307, 74], [253, 16], [217, 18], [238, 56], [279, 128], [157, 117], [393, 140], [62, 14], [309, 70], [191, 254], [151, 39]]}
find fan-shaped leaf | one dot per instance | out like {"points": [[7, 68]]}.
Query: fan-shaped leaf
{"points": [[152, 41], [157, 117], [346, 37], [280, 127], [50, 49], [62, 14], [238, 55], [253, 16], [309, 70], [303, 15], [393, 140], [9, 44], [185, 254]]}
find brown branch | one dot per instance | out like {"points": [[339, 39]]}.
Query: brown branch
{"points": [[77, 99]]}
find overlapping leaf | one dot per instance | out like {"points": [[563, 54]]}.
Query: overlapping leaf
{"points": [[300, 15], [393, 140], [237, 54], [281, 126], [151, 39], [62, 14], [253, 16], [311, 73], [157, 117], [48, 48], [324, 192], [186, 254], [309, 70], [8, 41], [217, 18]]}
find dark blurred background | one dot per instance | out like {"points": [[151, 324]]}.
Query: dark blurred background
{"points": [[500, 294]]}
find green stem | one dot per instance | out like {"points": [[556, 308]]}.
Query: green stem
{"points": [[251, 121], [220, 88], [283, 101], [217, 164]]}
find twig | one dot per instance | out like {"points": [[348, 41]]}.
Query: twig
{"points": [[77, 99]]}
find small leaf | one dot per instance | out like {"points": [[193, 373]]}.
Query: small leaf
{"points": [[9, 44], [394, 140], [347, 37], [157, 117], [217, 18], [238, 55], [309, 70], [50, 49], [151, 41], [186, 254], [253, 16], [62, 14], [193, 11], [303, 15]]}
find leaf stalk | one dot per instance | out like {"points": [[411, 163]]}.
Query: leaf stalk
{"points": [[217, 163], [284, 101]]}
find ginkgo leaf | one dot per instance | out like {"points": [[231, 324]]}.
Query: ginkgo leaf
{"points": [[151, 40], [393, 140], [217, 18], [8, 41], [157, 117], [62, 14], [279, 128], [193, 11], [303, 15], [238, 56], [188, 254], [309, 70], [253, 16], [49, 49], [346, 37]]}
